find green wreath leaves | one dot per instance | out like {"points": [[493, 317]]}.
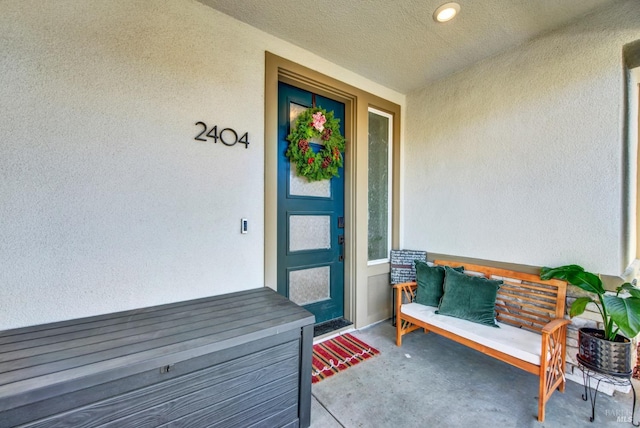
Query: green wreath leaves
{"points": [[324, 164]]}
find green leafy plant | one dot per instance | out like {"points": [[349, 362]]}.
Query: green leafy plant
{"points": [[618, 313]]}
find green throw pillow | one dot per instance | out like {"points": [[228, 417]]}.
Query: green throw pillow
{"points": [[471, 298], [430, 280]]}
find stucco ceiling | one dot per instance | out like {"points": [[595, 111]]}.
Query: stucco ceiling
{"points": [[396, 42]]}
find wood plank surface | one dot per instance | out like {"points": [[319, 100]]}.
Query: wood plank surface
{"points": [[281, 419], [222, 381], [61, 327], [238, 413], [137, 339], [41, 364], [125, 357], [63, 402], [176, 315]]}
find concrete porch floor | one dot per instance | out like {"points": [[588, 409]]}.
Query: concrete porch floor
{"points": [[444, 384]]}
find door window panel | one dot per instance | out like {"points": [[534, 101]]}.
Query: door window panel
{"points": [[309, 285], [309, 232], [300, 186]]}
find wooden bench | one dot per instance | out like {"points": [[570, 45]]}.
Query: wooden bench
{"points": [[526, 306]]}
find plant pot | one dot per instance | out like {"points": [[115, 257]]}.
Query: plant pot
{"points": [[612, 357]]}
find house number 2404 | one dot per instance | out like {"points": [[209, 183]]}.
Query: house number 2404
{"points": [[227, 136]]}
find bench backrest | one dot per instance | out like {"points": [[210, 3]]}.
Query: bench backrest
{"points": [[524, 300]]}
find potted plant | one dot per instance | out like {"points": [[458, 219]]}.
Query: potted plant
{"points": [[604, 350]]}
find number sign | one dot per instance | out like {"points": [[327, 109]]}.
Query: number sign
{"points": [[227, 136]]}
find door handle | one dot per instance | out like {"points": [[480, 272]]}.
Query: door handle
{"points": [[341, 243]]}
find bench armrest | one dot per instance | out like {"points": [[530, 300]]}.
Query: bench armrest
{"points": [[554, 325], [408, 289], [552, 360], [411, 285]]}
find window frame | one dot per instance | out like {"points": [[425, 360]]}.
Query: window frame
{"points": [[390, 150]]}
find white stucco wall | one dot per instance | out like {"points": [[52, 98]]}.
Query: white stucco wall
{"points": [[520, 157], [106, 201]]}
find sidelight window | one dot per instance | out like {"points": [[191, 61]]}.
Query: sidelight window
{"points": [[380, 162]]}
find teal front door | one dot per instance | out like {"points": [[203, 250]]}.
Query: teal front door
{"points": [[310, 219]]}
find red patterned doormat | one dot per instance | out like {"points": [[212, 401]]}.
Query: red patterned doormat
{"points": [[337, 354]]}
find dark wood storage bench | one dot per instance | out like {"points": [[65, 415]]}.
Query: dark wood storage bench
{"points": [[241, 359]]}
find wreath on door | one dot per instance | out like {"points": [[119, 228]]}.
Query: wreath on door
{"points": [[316, 123]]}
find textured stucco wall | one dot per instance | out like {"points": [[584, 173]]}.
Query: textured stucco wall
{"points": [[106, 201], [520, 157]]}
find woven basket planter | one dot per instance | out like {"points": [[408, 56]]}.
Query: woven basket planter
{"points": [[605, 356]]}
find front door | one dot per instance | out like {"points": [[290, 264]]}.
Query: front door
{"points": [[310, 219]]}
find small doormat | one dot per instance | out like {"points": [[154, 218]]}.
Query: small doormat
{"points": [[337, 354], [329, 326]]}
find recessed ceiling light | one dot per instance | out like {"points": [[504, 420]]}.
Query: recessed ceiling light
{"points": [[446, 12]]}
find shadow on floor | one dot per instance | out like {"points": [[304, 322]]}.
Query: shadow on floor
{"points": [[434, 382]]}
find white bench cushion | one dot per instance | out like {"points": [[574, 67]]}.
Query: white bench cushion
{"points": [[519, 343]]}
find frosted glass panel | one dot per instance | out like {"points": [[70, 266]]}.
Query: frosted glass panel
{"points": [[309, 232], [300, 186], [294, 111], [309, 285], [378, 186]]}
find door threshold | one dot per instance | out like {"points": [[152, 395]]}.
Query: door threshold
{"points": [[330, 326]]}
